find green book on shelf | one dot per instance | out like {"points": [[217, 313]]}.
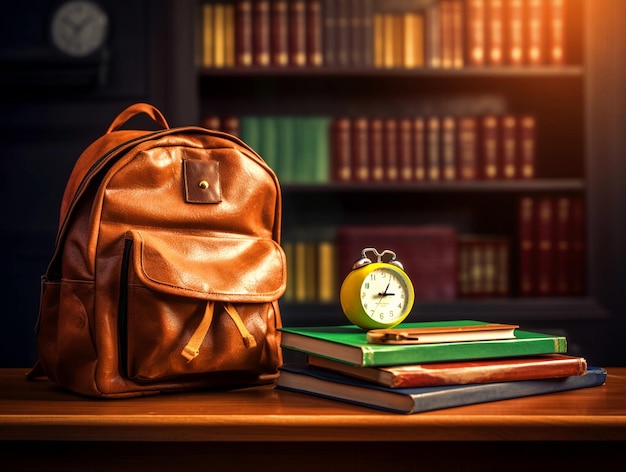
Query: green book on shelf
{"points": [[286, 147], [349, 344]]}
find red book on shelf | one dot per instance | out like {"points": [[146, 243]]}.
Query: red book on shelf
{"points": [[467, 147], [535, 31], [526, 248], [563, 245], [433, 148], [360, 148], [556, 32], [428, 254], [243, 33], [405, 150], [376, 150], [577, 253], [297, 33], [279, 19], [342, 37], [509, 146], [419, 150], [341, 149], [546, 216], [261, 47], [458, 34], [448, 148], [446, 10], [433, 34], [390, 147], [527, 146], [516, 43], [314, 53], [329, 24], [476, 27], [495, 32], [490, 159]]}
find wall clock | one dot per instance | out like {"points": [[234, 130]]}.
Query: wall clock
{"points": [[79, 28]]}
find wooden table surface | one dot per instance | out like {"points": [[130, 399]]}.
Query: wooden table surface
{"points": [[37, 410]]}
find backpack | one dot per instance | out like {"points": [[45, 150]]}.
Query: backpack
{"points": [[167, 268]]}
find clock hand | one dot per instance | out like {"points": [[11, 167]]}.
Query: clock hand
{"points": [[384, 294]]}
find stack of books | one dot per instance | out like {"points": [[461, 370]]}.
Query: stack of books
{"points": [[475, 362]]}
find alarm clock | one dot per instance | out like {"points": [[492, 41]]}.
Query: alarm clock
{"points": [[79, 28], [377, 292]]}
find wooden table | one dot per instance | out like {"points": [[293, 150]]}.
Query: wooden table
{"points": [[290, 431]]}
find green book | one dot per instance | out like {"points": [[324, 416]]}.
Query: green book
{"points": [[286, 147], [349, 344]]}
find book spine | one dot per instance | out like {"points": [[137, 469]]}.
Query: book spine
{"points": [[556, 49], [367, 26], [476, 32], [527, 248], [329, 15], [458, 34], [390, 146], [516, 37], [433, 148], [342, 150], [376, 150], [509, 148], [419, 149], [495, 32], [405, 150], [208, 35], [297, 33], [578, 244], [279, 18], [433, 35], [327, 281], [360, 148], [489, 143], [261, 42], [219, 23], [527, 146], [379, 40], [562, 246], [342, 10], [467, 147], [448, 148], [229, 35], [446, 33], [535, 32], [286, 148], [243, 33], [314, 46], [545, 246]]}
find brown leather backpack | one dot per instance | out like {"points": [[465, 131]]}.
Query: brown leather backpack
{"points": [[167, 268]]}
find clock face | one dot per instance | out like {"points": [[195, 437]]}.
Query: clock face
{"points": [[79, 28], [385, 296]]}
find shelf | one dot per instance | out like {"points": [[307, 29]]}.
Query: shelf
{"points": [[516, 310], [479, 186], [516, 72]]}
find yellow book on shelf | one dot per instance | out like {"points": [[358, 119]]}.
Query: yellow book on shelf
{"points": [[379, 28], [207, 34], [327, 286], [413, 40], [218, 35], [229, 35]]}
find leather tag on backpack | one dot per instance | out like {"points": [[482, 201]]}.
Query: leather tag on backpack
{"points": [[202, 181]]}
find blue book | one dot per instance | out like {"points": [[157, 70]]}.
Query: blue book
{"points": [[328, 384]]}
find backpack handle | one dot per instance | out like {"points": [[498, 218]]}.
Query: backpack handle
{"points": [[137, 109]]}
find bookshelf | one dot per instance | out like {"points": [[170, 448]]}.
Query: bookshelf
{"points": [[567, 99]]}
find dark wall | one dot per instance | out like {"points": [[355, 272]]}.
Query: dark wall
{"points": [[51, 108]]}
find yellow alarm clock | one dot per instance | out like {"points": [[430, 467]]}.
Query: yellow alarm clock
{"points": [[377, 293]]}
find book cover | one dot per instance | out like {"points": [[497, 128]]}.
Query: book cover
{"points": [[243, 33], [327, 384], [516, 47], [489, 147], [327, 283], [509, 146], [433, 35], [419, 150], [556, 32], [279, 33], [546, 366], [447, 33], [314, 46], [495, 32], [229, 36], [349, 344], [285, 148], [428, 254], [390, 146], [341, 142], [405, 150], [433, 148], [448, 148], [360, 150], [535, 32], [342, 33], [261, 38], [458, 34], [527, 146], [208, 40], [219, 35], [467, 148], [413, 40]]}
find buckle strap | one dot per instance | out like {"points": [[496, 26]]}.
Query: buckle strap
{"points": [[248, 339]]}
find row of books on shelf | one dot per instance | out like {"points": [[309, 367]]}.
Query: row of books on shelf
{"points": [[381, 34], [317, 149], [342, 363], [547, 256]]}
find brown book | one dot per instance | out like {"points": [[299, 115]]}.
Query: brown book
{"points": [[212, 122], [448, 148], [503, 267], [527, 246], [433, 148], [390, 147], [562, 245], [379, 41], [476, 21], [279, 33], [509, 146], [208, 35], [230, 124], [490, 160], [467, 147], [360, 150], [428, 254], [405, 150], [261, 39], [516, 43], [297, 33], [243, 33], [446, 21], [527, 146], [495, 32], [535, 31], [342, 37], [329, 24], [458, 34], [376, 150], [314, 47], [341, 149], [433, 35], [419, 149], [545, 240], [546, 366], [578, 246], [556, 32]]}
